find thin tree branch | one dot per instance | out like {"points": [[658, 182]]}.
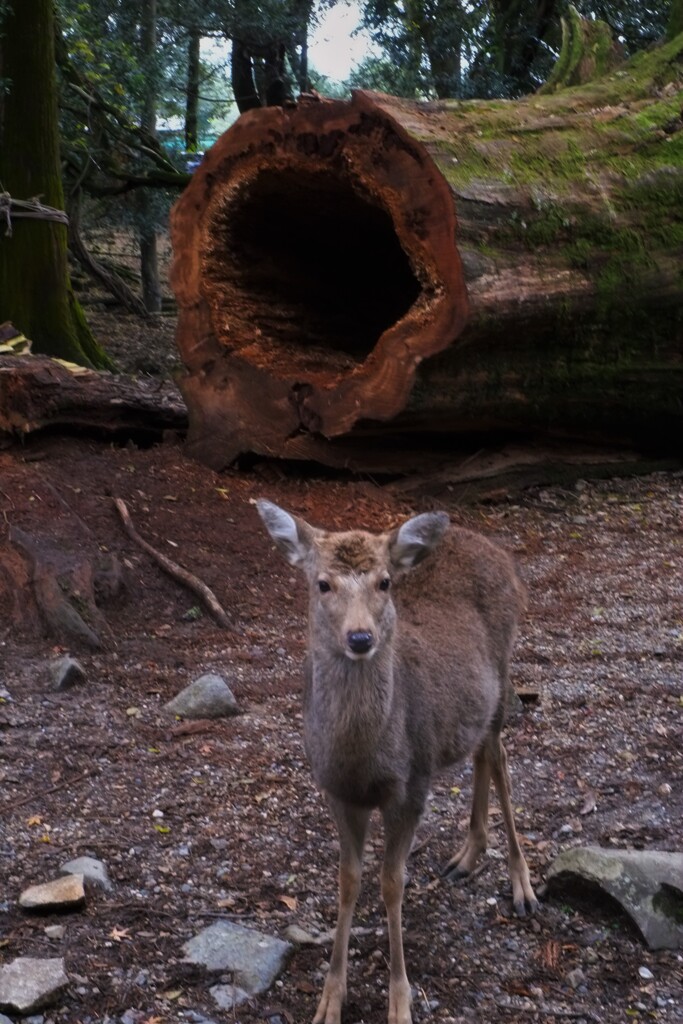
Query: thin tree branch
{"points": [[174, 570]]}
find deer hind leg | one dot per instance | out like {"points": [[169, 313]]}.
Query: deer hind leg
{"points": [[465, 859], [352, 824], [523, 896], [399, 828]]}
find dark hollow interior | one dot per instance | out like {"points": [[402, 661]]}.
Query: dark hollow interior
{"points": [[314, 262]]}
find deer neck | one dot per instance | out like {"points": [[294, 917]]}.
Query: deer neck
{"points": [[355, 698]]}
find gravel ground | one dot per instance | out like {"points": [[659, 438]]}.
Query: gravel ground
{"points": [[220, 819]]}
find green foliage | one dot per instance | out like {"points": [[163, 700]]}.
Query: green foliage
{"points": [[448, 48]]}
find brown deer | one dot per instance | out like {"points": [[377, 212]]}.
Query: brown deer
{"points": [[406, 672]]}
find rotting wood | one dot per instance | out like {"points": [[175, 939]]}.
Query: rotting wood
{"points": [[175, 571], [321, 277], [37, 392], [63, 584]]}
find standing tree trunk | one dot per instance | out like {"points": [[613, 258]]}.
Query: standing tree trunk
{"points": [[149, 257], [192, 92], [324, 287], [675, 25], [35, 291]]}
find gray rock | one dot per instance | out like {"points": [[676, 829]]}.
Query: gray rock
{"points": [[648, 884], [55, 931], [4, 1019], [93, 870], [254, 959], [209, 696], [576, 977], [61, 894], [28, 983], [66, 672], [194, 1017], [228, 996]]}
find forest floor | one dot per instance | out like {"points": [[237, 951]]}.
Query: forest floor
{"points": [[220, 819]]}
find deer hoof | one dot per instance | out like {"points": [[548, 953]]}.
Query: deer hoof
{"points": [[522, 905], [454, 872]]}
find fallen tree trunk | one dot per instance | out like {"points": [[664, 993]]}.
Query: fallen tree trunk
{"points": [[37, 392], [329, 305]]}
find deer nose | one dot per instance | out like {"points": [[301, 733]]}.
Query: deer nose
{"points": [[360, 641]]}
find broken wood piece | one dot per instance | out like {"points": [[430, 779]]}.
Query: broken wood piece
{"points": [[174, 570], [63, 585]]}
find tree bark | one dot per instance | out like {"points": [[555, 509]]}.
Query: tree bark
{"points": [[149, 256], [324, 288], [35, 291], [192, 90]]}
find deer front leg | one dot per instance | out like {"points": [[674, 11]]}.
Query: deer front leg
{"points": [[399, 831], [352, 824]]}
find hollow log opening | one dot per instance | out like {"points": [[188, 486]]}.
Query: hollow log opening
{"points": [[315, 268], [308, 262]]}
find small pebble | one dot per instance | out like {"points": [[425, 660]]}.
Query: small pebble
{"points": [[576, 977], [645, 973]]}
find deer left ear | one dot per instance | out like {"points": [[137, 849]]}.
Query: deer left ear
{"points": [[414, 540]]}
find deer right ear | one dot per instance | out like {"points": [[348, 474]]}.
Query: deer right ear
{"points": [[292, 536], [416, 538]]}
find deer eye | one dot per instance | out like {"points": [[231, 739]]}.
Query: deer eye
{"points": [[324, 587], [385, 583]]}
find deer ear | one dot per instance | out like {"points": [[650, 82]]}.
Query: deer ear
{"points": [[292, 536], [416, 538]]}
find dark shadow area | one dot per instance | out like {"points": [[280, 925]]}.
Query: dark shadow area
{"points": [[311, 260]]}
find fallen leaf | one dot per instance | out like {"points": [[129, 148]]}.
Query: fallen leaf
{"points": [[34, 820], [119, 933], [289, 901]]}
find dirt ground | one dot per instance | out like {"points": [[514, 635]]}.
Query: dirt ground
{"points": [[221, 819]]}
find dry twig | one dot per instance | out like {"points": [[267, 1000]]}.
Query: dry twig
{"points": [[174, 570]]}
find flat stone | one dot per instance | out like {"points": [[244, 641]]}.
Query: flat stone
{"points": [[209, 696], [29, 983], [648, 885], [227, 997], [65, 893], [93, 870], [254, 959], [55, 931]]}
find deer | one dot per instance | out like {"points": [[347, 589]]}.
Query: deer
{"points": [[410, 634]]}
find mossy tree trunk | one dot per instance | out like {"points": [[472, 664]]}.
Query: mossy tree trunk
{"points": [[675, 26], [35, 290]]}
